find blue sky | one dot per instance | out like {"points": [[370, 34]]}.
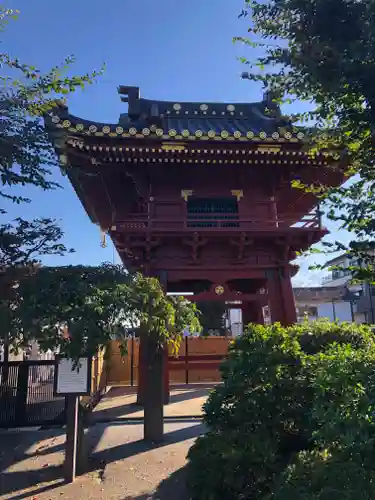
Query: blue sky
{"points": [[172, 50]]}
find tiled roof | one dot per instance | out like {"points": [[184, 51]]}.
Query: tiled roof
{"points": [[219, 125], [185, 120], [206, 117]]}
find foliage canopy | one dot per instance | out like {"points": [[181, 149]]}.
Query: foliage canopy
{"points": [[322, 52], [93, 305], [27, 158]]}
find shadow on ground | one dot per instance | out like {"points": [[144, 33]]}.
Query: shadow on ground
{"points": [[173, 488], [127, 409], [13, 450], [133, 448], [49, 477], [44, 476]]}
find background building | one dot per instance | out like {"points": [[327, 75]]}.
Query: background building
{"points": [[338, 298]]}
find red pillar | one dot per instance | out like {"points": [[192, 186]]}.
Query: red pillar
{"points": [[259, 313], [274, 213], [281, 297], [252, 313], [289, 303], [247, 314]]}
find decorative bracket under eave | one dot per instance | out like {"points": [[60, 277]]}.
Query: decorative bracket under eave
{"points": [[173, 147], [238, 193], [185, 193], [269, 148]]}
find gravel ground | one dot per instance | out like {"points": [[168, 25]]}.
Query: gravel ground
{"points": [[122, 466]]}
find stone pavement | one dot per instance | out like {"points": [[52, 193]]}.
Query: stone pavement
{"points": [[122, 466], [120, 403]]}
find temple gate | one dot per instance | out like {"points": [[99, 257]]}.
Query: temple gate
{"points": [[199, 194]]}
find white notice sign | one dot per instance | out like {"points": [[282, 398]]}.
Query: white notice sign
{"points": [[71, 381]]}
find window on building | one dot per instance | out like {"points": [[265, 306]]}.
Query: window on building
{"points": [[336, 274], [340, 273], [212, 212], [313, 311]]}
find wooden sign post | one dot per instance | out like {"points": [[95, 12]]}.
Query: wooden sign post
{"points": [[72, 380]]}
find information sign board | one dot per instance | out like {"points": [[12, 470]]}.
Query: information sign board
{"points": [[71, 379]]}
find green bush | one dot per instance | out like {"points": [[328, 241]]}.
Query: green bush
{"points": [[287, 395], [326, 476], [319, 335]]}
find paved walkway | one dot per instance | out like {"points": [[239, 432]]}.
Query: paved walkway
{"points": [[120, 403], [122, 466]]}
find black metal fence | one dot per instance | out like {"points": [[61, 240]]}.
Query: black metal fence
{"points": [[26, 394]]}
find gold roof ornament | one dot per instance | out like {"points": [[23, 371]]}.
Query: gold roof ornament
{"points": [[269, 148], [173, 147], [238, 193], [185, 193]]}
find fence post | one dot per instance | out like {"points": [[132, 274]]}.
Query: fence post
{"points": [[21, 395]]}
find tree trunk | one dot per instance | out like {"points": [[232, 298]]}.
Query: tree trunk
{"points": [[153, 389], [142, 368], [142, 375]]}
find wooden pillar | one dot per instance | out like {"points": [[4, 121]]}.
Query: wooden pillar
{"points": [[259, 313], [274, 213], [247, 314], [252, 313], [281, 297]]}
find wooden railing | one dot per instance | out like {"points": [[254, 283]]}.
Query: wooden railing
{"points": [[217, 222]]}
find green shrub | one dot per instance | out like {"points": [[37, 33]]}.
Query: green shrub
{"points": [[325, 476], [316, 336], [287, 394]]}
